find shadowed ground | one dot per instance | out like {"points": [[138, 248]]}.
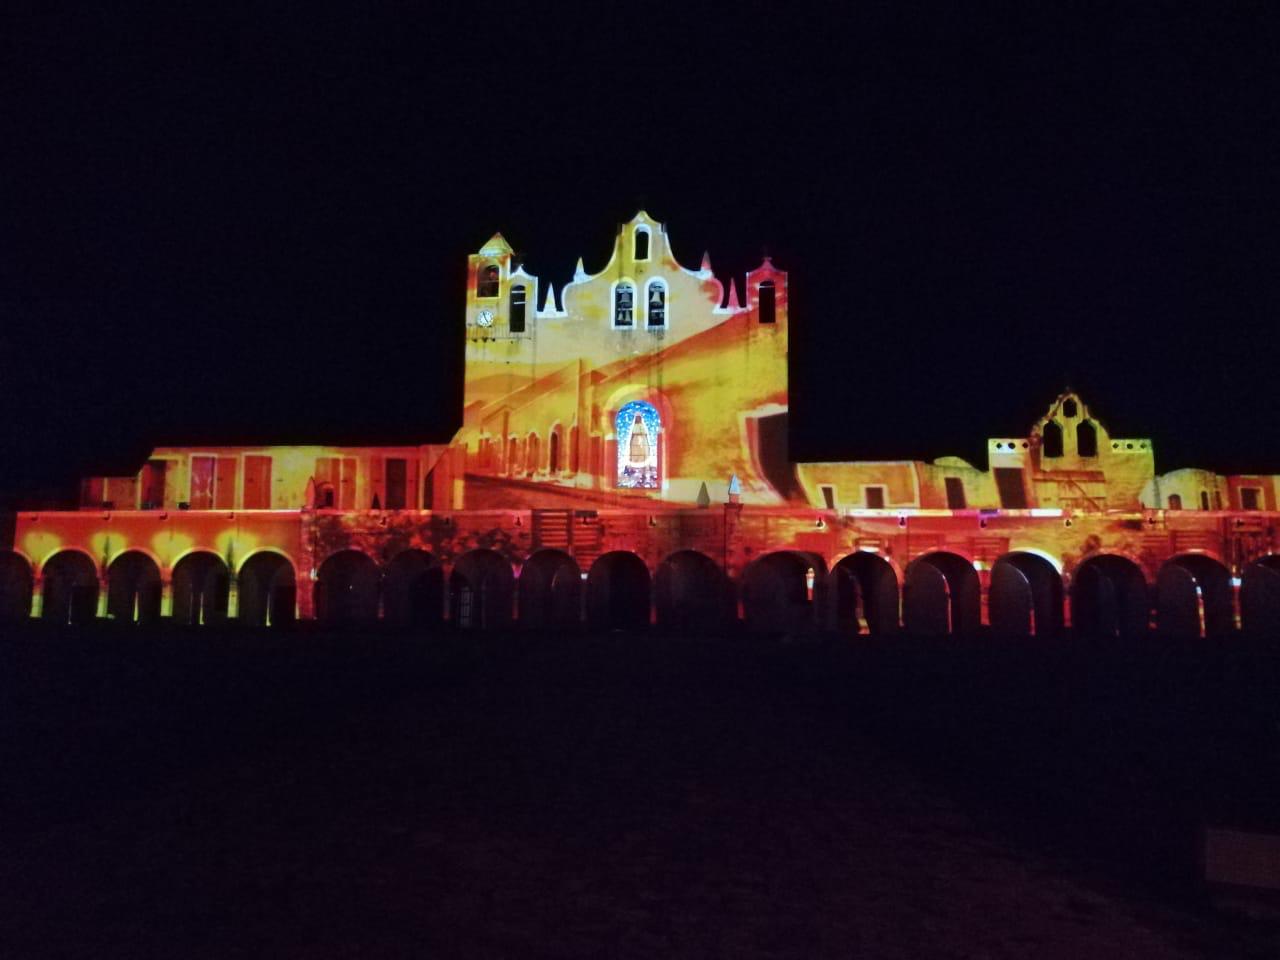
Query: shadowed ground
{"points": [[202, 795]]}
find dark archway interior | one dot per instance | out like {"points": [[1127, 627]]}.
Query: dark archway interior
{"points": [[1109, 598], [1260, 597], [942, 595], [268, 591], [201, 589], [550, 590], [347, 589], [133, 588], [1194, 597], [70, 588], [1025, 596], [865, 594], [481, 589], [775, 593], [692, 593], [15, 588], [413, 590], [618, 592]]}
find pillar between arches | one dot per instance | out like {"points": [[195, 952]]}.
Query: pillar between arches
{"points": [[103, 586], [166, 596], [37, 598], [233, 596]]}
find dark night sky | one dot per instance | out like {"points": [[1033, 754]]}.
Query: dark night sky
{"points": [[221, 229]]}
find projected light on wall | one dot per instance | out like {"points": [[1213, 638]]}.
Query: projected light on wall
{"points": [[636, 426]]}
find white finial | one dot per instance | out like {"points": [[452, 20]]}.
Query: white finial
{"points": [[549, 303], [580, 272], [706, 263]]}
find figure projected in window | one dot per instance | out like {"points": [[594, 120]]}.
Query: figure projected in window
{"points": [[637, 426]]}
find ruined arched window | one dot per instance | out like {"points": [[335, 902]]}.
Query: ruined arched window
{"points": [[487, 281], [637, 426], [1086, 439], [655, 299], [1175, 501], [515, 321], [1052, 437], [768, 302], [624, 302], [553, 451], [642, 243]]}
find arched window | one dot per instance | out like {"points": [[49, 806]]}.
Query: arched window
{"points": [[642, 243], [1086, 439], [531, 455], [768, 303], [515, 321], [1069, 408], [655, 299], [637, 426], [624, 300], [1052, 437], [1204, 499], [1175, 501], [487, 281]]}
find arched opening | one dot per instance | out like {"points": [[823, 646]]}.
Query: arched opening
{"points": [[553, 452], [1051, 440], [133, 588], [636, 426], [864, 594], [1175, 501], [1025, 596], [1086, 439], [516, 316], [15, 587], [1193, 597], [1260, 597], [618, 592], [480, 591], [550, 591], [778, 592], [692, 593], [1109, 598], [201, 588], [655, 300], [941, 596], [531, 455], [768, 302], [268, 591], [70, 588], [487, 281], [413, 590], [641, 243], [347, 589], [624, 298]]}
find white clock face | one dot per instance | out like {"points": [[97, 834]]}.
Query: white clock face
{"points": [[484, 318]]}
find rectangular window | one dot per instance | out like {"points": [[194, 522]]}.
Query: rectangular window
{"points": [[153, 475], [1250, 498], [1013, 495], [202, 474], [515, 322], [224, 484], [768, 302], [955, 493], [1204, 499], [397, 475], [874, 497], [828, 495], [257, 482]]}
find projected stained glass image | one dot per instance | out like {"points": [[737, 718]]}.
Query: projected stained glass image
{"points": [[637, 427]]}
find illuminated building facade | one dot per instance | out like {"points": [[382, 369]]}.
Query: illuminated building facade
{"points": [[622, 459]]}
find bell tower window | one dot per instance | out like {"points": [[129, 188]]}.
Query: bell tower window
{"points": [[487, 281], [1086, 439], [768, 302], [641, 243], [656, 303], [624, 299]]}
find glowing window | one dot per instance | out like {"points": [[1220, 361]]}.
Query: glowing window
{"points": [[656, 304], [516, 321], [487, 281], [642, 244], [636, 427], [768, 303], [624, 300]]}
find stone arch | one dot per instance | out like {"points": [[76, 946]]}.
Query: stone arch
{"points": [[133, 588], [618, 591], [691, 592], [16, 583], [268, 590], [1025, 596], [481, 588], [201, 588], [347, 588], [550, 590], [1260, 597], [413, 589], [1194, 597], [70, 588], [941, 595], [1109, 598], [776, 594], [864, 594]]}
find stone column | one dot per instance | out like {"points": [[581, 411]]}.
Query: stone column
{"points": [[37, 598], [233, 596], [166, 597], [103, 585]]}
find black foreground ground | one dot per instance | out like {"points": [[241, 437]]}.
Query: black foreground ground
{"points": [[197, 794]]}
